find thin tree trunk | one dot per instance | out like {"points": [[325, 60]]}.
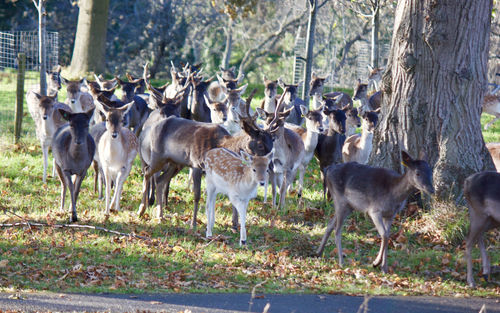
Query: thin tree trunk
{"points": [[229, 43], [433, 88], [90, 42], [311, 25], [42, 59], [375, 31]]}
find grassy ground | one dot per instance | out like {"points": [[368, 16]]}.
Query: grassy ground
{"points": [[279, 256]]}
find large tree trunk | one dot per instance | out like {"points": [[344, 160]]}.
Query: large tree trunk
{"points": [[90, 42], [433, 88], [311, 26]]}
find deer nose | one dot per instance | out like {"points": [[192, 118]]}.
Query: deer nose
{"points": [[320, 129], [78, 142], [114, 134], [44, 116], [73, 101], [224, 119], [262, 183]]}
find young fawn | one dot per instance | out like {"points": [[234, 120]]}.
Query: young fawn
{"points": [[377, 191], [236, 176]]}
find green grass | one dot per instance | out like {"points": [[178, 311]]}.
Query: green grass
{"points": [[176, 259]]}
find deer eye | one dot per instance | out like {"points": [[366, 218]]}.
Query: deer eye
{"points": [[254, 170]]}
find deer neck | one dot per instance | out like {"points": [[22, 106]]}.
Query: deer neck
{"points": [[270, 103], [402, 188], [76, 151], [365, 145], [316, 101], [311, 140]]}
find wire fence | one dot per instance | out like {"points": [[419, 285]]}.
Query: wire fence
{"points": [[11, 44]]}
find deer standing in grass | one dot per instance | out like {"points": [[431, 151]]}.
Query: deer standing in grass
{"points": [[44, 111], [357, 148], [482, 191], [73, 149], [117, 149], [236, 176], [380, 192]]}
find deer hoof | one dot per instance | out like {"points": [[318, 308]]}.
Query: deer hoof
{"points": [[73, 219], [243, 243]]}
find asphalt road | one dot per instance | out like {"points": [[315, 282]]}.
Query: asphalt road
{"points": [[222, 303]]}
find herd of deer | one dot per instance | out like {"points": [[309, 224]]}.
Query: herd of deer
{"points": [[204, 124]]}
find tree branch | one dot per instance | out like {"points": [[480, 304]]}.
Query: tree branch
{"points": [[349, 44]]}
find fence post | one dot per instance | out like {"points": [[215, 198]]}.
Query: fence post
{"points": [[21, 61]]}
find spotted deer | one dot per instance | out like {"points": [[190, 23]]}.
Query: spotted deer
{"points": [[236, 176], [76, 99], [494, 149], [357, 148], [73, 149], [117, 148], [45, 114], [379, 192], [481, 190]]}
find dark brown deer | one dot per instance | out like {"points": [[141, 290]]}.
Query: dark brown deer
{"points": [[482, 191], [292, 100], [371, 103], [379, 192], [270, 89], [73, 149]]}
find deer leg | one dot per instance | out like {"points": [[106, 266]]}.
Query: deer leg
{"points": [[197, 194], [234, 218], [484, 258], [45, 150], [108, 178], [171, 171], [242, 212], [381, 258], [302, 170], [145, 190], [96, 174], [477, 228], [63, 186], [210, 208], [73, 218], [120, 180], [324, 240]]}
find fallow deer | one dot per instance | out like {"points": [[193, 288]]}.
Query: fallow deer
{"points": [[491, 105], [357, 148], [236, 176], [352, 121], [291, 101], [53, 82], [45, 114], [288, 152], [309, 136], [117, 149], [196, 100], [316, 90], [494, 148], [481, 190], [379, 192], [217, 90], [367, 104], [76, 99], [375, 76], [329, 148], [341, 99], [270, 90], [139, 111], [73, 149], [218, 111], [107, 86]]}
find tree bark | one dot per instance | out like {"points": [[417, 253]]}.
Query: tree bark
{"points": [[42, 51], [90, 42], [433, 88], [311, 26]]}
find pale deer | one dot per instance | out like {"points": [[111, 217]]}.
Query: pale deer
{"points": [[236, 176], [218, 111], [494, 149], [375, 76], [117, 149], [341, 99], [76, 99], [53, 82], [379, 192], [107, 86], [371, 103], [217, 90], [291, 101], [491, 105], [481, 190], [288, 153], [309, 136], [73, 149], [268, 104], [357, 148], [45, 114]]}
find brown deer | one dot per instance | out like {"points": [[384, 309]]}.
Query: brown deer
{"points": [[268, 104], [217, 90], [482, 192], [379, 192], [292, 101], [53, 82], [375, 76], [236, 176], [73, 149], [357, 148], [494, 149], [491, 105], [316, 90], [367, 104]]}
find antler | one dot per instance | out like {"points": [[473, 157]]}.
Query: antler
{"points": [[158, 95], [278, 109]]}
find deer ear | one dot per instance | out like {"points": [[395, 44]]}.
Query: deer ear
{"points": [[207, 102], [242, 89], [406, 159], [37, 95], [261, 113], [245, 156], [90, 113], [64, 80], [65, 114], [304, 109], [281, 83]]}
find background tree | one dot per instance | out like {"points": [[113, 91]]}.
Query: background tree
{"points": [[90, 41], [433, 88]]}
